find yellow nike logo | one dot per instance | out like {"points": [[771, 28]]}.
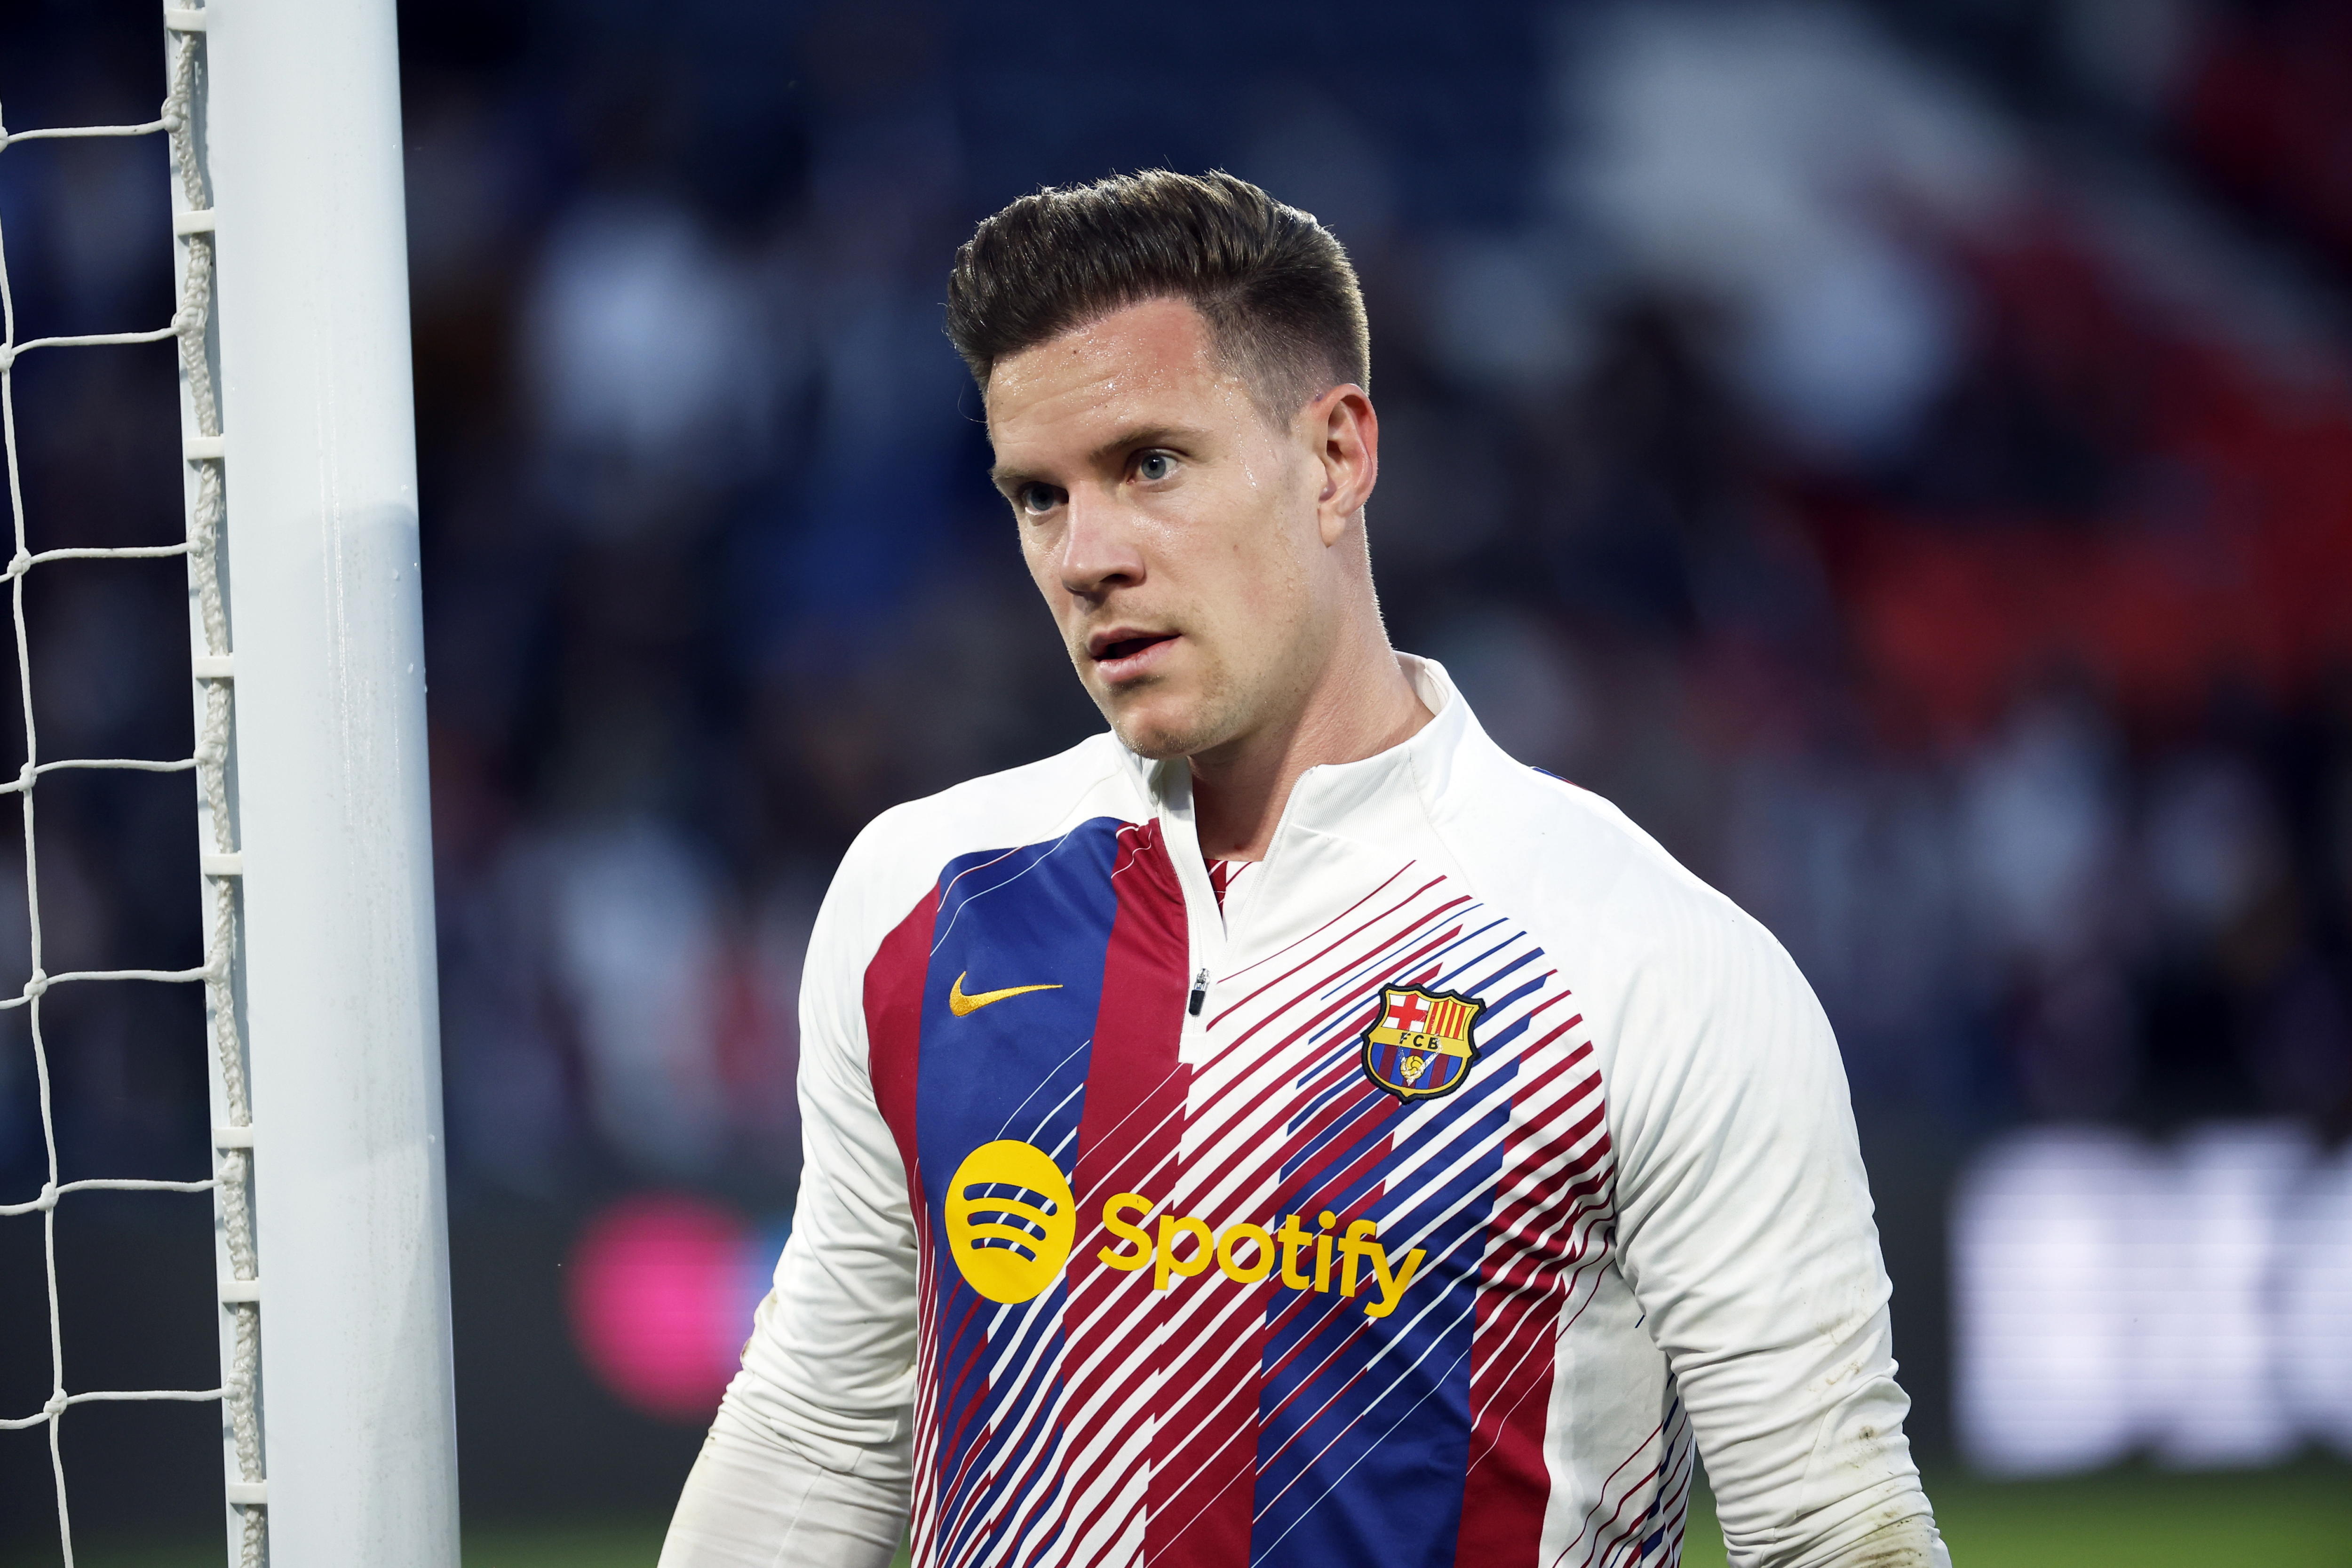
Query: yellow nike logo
{"points": [[960, 1003]]}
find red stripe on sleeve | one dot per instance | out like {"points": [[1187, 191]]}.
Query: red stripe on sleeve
{"points": [[893, 1022]]}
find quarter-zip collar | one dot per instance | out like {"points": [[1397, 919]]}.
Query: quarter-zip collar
{"points": [[1389, 792], [1328, 795], [1334, 797]]}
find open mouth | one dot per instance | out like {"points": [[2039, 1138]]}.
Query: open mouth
{"points": [[1122, 653], [1128, 647]]}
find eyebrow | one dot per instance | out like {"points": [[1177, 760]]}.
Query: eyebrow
{"points": [[1127, 440]]}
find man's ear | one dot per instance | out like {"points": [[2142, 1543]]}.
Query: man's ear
{"points": [[1346, 435]]}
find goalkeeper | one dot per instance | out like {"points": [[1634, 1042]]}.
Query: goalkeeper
{"points": [[1284, 1129]]}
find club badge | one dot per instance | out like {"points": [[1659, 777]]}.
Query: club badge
{"points": [[1422, 1044]]}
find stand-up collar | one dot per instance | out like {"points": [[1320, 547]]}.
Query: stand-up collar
{"points": [[1327, 794]]}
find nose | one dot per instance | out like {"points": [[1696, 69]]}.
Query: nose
{"points": [[1099, 552]]}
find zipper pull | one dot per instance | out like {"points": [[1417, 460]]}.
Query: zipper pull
{"points": [[1200, 993]]}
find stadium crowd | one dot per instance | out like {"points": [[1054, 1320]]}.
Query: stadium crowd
{"points": [[1902, 454]]}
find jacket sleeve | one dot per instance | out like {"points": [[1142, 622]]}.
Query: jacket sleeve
{"points": [[752, 1500], [827, 1377], [1745, 1231]]}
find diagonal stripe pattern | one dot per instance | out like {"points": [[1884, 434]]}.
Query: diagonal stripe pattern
{"points": [[1304, 1321]]}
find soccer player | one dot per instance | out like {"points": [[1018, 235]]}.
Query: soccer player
{"points": [[1284, 1128]]}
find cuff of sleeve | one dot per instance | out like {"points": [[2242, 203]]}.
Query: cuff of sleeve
{"points": [[1871, 1541], [888, 1464]]}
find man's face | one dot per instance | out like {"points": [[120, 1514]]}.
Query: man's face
{"points": [[1174, 529]]}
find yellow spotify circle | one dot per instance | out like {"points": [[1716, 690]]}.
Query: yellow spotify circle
{"points": [[1010, 1219]]}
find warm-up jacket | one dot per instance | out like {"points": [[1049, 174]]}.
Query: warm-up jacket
{"points": [[1424, 1204]]}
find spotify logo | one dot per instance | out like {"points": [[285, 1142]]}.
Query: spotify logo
{"points": [[1010, 1219]]}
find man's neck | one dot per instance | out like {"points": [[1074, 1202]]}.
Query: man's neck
{"points": [[1361, 709]]}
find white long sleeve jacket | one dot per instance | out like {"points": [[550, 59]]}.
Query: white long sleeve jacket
{"points": [[1422, 1205]]}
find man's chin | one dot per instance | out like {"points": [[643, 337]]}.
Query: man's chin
{"points": [[1149, 730], [1157, 741]]}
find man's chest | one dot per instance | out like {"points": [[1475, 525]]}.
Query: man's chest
{"points": [[1091, 1095], [1227, 1214]]}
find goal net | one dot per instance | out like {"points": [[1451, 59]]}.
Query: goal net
{"points": [[308, 777]]}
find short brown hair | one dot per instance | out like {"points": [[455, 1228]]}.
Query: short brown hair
{"points": [[1274, 287]]}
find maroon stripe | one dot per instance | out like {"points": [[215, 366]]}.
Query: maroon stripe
{"points": [[1129, 1135], [1506, 1485], [1349, 999], [1305, 1089], [1612, 1523], [1327, 925], [1195, 1515], [1340, 941], [894, 1023]]}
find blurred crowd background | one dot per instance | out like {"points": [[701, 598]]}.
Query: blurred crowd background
{"points": [[1905, 458], [1901, 453]]}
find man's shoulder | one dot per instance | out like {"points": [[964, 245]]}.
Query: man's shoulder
{"points": [[1582, 871], [1018, 805], [1670, 974], [900, 853]]}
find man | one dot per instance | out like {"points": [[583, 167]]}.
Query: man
{"points": [[1284, 1128]]}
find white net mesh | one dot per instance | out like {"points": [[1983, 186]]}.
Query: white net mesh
{"points": [[231, 1185]]}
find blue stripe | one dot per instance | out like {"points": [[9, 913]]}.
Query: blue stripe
{"points": [[1363, 1463], [1038, 915], [1365, 1429], [1387, 955]]}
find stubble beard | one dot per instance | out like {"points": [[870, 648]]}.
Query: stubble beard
{"points": [[1148, 729], [1226, 706]]}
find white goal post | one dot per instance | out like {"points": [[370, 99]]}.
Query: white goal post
{"points": [[301, 131], [337, 1418]]}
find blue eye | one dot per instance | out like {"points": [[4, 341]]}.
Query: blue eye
{"points": [[1155, 466], [1037, 498]]}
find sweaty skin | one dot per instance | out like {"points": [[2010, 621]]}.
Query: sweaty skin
{"points": [[1205, 560]]}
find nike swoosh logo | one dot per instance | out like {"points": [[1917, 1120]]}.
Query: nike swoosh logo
{"points": [[960, 1003]]}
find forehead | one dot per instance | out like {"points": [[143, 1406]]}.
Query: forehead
{"points": [[1144, 362]]}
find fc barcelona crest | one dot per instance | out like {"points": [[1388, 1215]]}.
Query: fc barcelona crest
{"points": [[1423, 1043]]}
